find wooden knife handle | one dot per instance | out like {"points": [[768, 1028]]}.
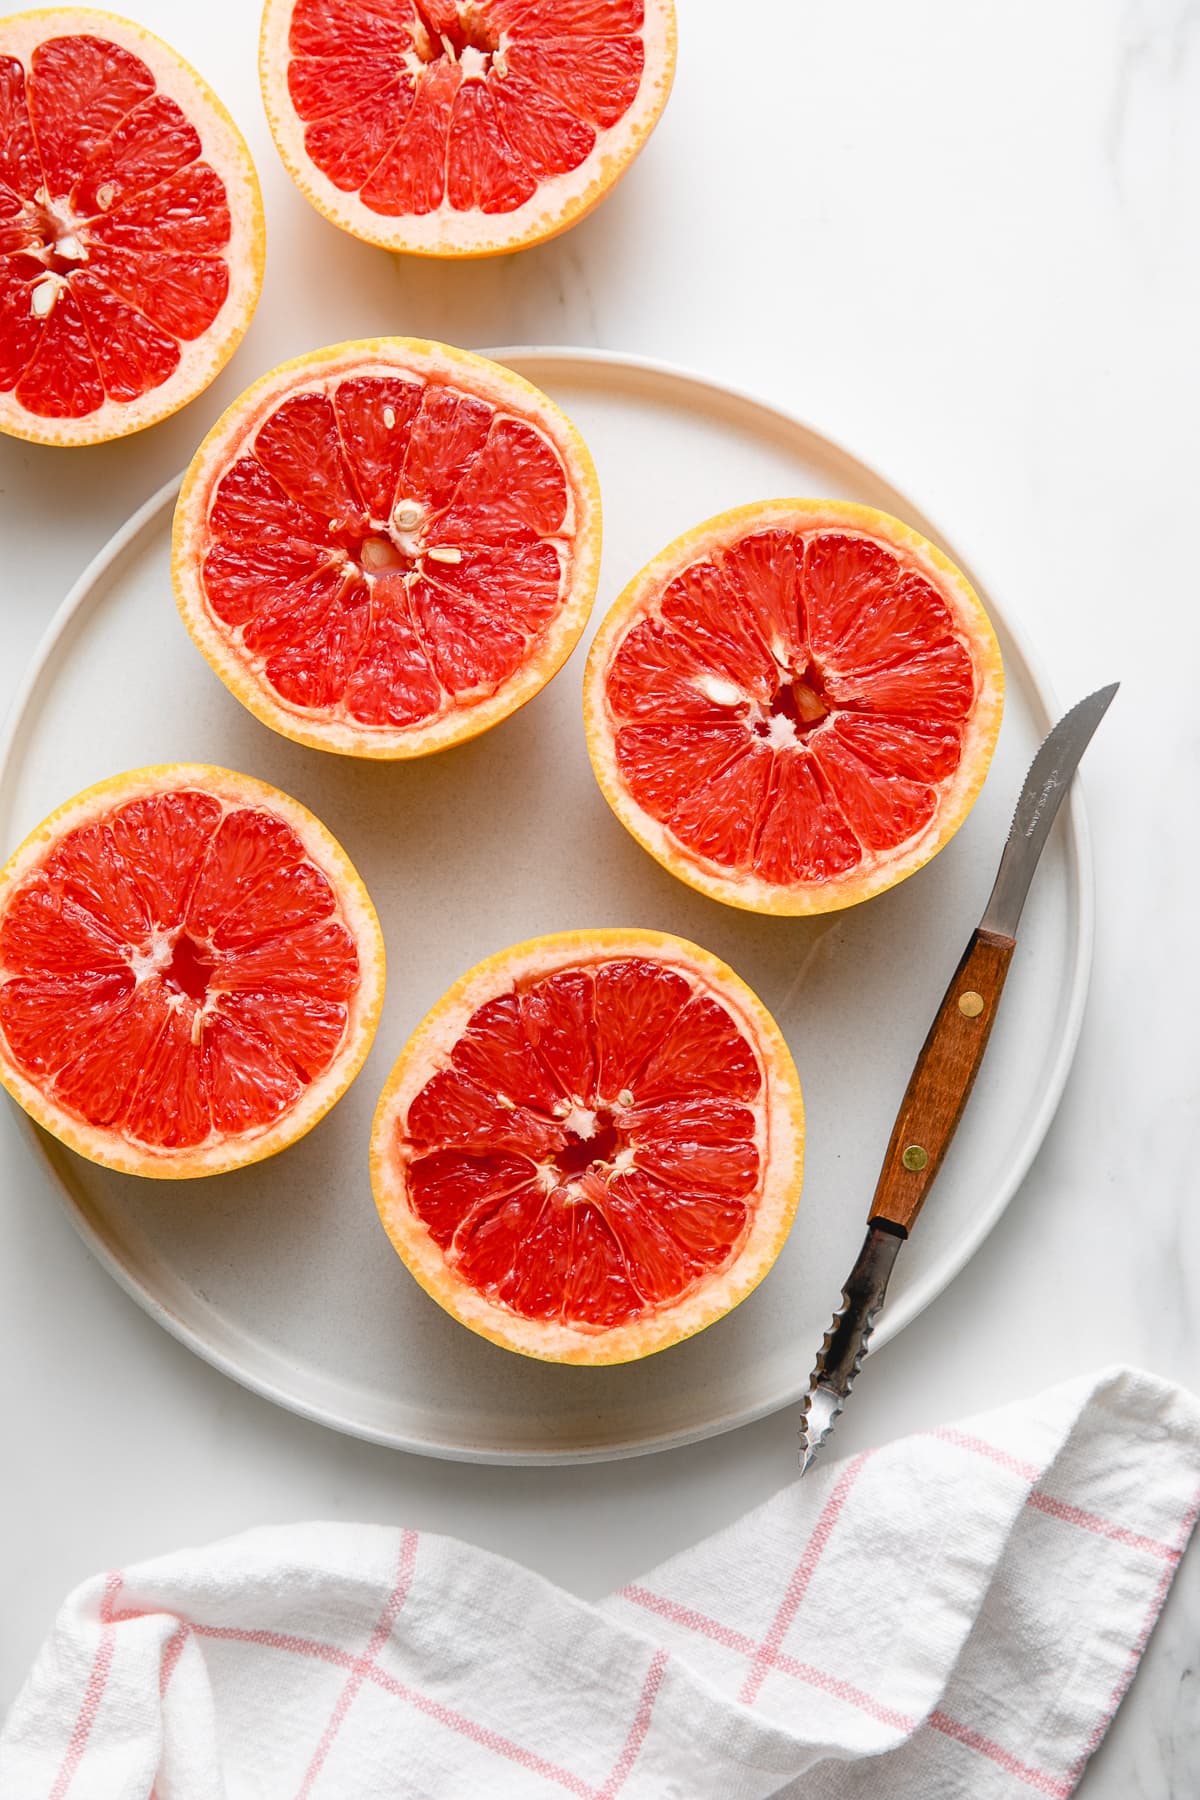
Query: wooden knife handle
{"points": [[942, 1080]]}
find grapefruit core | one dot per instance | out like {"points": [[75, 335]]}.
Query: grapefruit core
{"points": [[131, 229], [385, 547], [462, 127], [592, 1147], [794, 706], [191, 971]]}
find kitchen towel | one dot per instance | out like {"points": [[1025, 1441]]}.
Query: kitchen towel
{"points": [[958, 1613]]}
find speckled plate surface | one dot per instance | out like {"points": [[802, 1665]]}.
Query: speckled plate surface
{"points": [[280, 1275]]}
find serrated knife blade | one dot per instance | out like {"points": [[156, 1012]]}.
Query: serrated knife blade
{"points": [[944, 1073], [841, 1355]]}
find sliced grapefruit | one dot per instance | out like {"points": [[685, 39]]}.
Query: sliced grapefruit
{"points": [[462, 127], [131, 229], [794, 706], [592, 1147], [191, 971], [385, 547]]}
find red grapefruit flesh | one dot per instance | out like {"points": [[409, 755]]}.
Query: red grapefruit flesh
{"points": [[794, 706], [386, 547], [191, 971], [462, 127], [592, 1147], [131, 229]]}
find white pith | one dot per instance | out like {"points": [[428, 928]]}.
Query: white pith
{"points": [[223, 147], [956, 792], [354, 910], [557, 203], [779, 1138], [581, 1120], [156, 956], [420, 361]]}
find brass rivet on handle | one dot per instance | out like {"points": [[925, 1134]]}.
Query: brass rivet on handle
{"points": [[915, 1157], [970, 1004]]}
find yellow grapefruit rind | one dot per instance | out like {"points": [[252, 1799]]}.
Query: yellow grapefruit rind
{"points": [[222, 145], [780, 1143], [960, 790], [357, 913], [231, 435], [558, 203]]}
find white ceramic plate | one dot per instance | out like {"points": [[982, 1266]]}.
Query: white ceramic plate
{"points": [[280, 1274]]}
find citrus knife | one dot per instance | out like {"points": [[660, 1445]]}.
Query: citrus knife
{"points": [[945, 1072]]}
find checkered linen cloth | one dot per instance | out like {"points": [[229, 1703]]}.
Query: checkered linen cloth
{"points": [[957, 1614]]}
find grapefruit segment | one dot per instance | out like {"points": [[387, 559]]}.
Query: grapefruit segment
{"points": [[375, 419], [485, 168], [495, 1053], [132, 354], [714, 637], [298, 444], [410, 177], [303, 1029], [470, 653], [386, 547], [885, 813], [250, 507], [47, 934], [393, 683], [350, 145], [794, 706], [636, 1000], [661, 762], [720, 819], [79, 1001], [448, 434], [595, 78], [558, 1022], [131, 230], [462, 129], [316, 959], [453, 1110], [91, 874], [451, 1184], [804, 838], [60, 380], [651, 674], [920, 749], [515, 484], [79, 89], [592, 1146], [190, 972], [181, 294], [518, 580], [546, 138], [153, 140]]}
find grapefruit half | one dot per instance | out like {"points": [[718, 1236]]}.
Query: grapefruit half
{"points": [[131, 229], [191, 971], [462, 127], [592, 1147], [794, 706], [385, 547]]}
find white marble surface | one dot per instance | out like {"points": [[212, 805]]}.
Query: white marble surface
{"points": [[962, 239]]}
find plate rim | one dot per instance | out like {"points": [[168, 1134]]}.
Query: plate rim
{"points": [[906, 1309]]}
